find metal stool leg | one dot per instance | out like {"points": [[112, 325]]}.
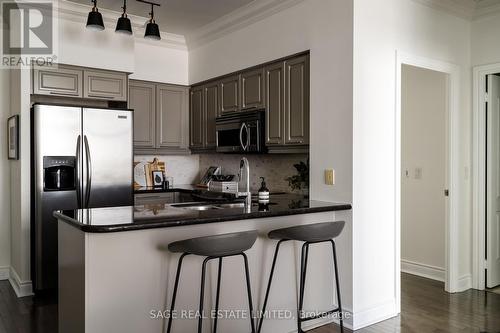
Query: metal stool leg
{"points": [[176, 285], [249, 291], [303, 269], [202, 293], [337, 283], [217, 295], [269, 284]]}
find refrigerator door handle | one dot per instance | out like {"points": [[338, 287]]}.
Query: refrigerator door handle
{"points": [[89, 171], [78, 171]]}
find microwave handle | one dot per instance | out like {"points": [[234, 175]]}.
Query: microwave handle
{"points": [[243, 146]]}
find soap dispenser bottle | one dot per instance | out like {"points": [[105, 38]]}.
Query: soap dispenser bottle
{"points": [[263, 192]]}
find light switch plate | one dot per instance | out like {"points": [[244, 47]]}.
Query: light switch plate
{"points": [[330, 177]]}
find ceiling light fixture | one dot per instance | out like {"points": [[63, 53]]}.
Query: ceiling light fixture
{"points": [[152, 29], [123, 25], [94, 20]]}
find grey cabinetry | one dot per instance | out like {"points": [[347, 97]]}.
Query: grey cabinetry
{"points": [[252, 89], [104, 85], [70, 81], [59, 81], [160, 117], [275, 104], [287, 105], [171, 117], [142, 99], [196, 118], [297, 101], [205, 108], [211, 103], [229, 94]]}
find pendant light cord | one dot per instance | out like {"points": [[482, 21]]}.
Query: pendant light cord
{"points": [[124, 8], [152, 14]]}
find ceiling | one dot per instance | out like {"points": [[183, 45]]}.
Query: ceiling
{"points": [[176, 16]]}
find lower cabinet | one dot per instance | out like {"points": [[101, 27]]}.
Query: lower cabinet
{"points": [[161, 113]]}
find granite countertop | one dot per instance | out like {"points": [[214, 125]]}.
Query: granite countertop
{"points": [[161, 215], [176, 188]]}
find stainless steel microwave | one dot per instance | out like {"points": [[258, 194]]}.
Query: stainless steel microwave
{"points": [[241, 132]]}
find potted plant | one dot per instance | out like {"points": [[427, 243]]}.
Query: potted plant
{"points": [[300, 181]]}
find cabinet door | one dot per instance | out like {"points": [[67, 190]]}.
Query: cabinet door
{"points": [[171, 116], [196, 117], [275, 104], [58, 81], [252, 89], [142, 99], [211, 92], [229, 94], [297, 100], [105, 85]]}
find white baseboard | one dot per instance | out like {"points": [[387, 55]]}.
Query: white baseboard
{"points": [[464, 283], [21, 288], [4, 272], [376, 314], [423, 270]]}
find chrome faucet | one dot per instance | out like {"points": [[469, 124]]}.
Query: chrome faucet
{"points": [[247, 193]]}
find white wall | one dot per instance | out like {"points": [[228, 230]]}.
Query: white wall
{"points": [[382, 27], [4, 174], [485, 45], [325, 28], [424, 97]]}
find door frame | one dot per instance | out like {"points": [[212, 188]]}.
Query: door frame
{"points": [[479, 172], [452, 167]]}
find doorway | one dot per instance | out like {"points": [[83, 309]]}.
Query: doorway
{"points": [[492, 222], [452, 281], [424, 162]]}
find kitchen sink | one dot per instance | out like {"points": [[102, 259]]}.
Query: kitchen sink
{"points": [[195, 206]]}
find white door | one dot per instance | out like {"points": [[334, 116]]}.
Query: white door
{"points": [[493, 184]]}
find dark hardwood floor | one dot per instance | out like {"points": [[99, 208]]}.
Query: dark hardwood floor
{"points": [[426, 308]]}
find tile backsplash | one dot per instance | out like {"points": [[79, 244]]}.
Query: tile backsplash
{"points": [[188, 169], [274, 167], [184, 168]]}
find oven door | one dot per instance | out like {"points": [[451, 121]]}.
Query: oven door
{"points": [[232, 137]]}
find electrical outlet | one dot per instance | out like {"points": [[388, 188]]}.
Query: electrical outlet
{"points": [[330, 177]]}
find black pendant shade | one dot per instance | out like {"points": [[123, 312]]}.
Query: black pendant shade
{"points": [[123, 26], [94, 20], [152, 31]]}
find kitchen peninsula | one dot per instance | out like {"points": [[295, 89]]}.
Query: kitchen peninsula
{"points": [[116, 274]]}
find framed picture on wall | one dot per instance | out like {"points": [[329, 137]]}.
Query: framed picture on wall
{"points": [[13, 137]]}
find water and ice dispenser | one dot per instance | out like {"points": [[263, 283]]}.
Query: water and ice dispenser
{"points": [[59, 173]]}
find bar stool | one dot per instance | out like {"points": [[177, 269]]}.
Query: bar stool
{"points": [[214, 247], [309, 234]]}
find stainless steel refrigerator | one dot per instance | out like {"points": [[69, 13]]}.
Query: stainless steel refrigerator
{"points": [[82, 158]]}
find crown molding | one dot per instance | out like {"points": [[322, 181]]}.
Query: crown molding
{"points": [[466, 9], [76, 12], [244, 16]]}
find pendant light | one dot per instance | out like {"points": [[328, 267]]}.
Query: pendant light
{"points": [[152, 29], [123, 25], [94, 20]]}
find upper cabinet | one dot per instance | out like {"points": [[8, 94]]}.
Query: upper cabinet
{"points": [[205, 108], [142, 99], [105, 85], [252, 89], [275, 104], [280, 87], [59, 81], [71, 81], [287, 105], [297, 101], [229, 94], [161, 124], [197, 122]]}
